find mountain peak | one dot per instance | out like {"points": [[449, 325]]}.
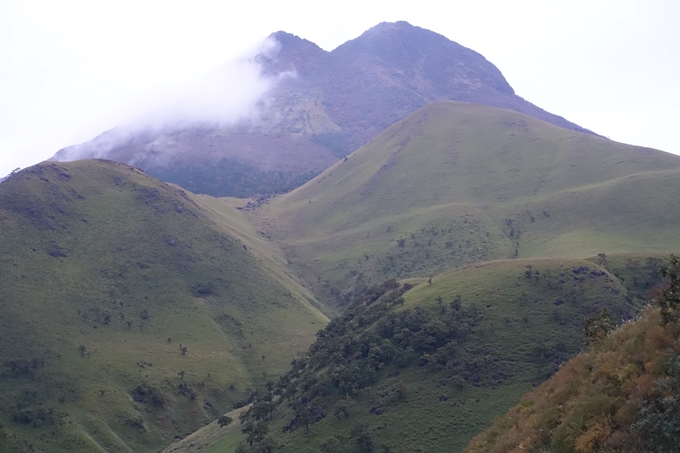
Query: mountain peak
{"points": [[288, 39], [392, 26], [294, 53], [409, 49], [335, 102]]}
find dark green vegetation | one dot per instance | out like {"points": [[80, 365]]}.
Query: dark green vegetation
{"points": [[232, 177], [336, 102], [426, 368], [132, 312], [454, 184]]}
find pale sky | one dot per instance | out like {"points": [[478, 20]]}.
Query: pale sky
{"points": [[71, 69]]}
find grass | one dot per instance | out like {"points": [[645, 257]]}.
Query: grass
{"points": [[463, 183], [105, 273], [596, 400], [529, 327], [471, 196]]}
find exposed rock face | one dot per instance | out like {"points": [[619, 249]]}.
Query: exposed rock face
{"points": [[325, 105]]}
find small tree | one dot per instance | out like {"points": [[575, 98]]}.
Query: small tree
{"points": [[224, 421], [342, 407], [267, 445], [330, 445], [255, 432], [598, 327], [440, 301], [659, 419], [304, 415], [667, 296], [457, 302], [362, 437], [400, 388]]}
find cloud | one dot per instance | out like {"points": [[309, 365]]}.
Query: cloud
{"points": [[225, 95], [231, 93]]}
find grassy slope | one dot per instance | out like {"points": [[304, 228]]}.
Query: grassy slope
{"points": [[523, 331], [88, 247], [595, 401], [464, 183]]}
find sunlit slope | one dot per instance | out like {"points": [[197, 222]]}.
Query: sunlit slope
{"points": [[460, 365], [132, 312], [462, 183]]}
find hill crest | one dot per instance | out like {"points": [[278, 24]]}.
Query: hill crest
{"points": [[132, 311], [455, 183]]}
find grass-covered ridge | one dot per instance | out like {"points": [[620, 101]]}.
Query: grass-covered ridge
{"points": [[454, 184], [426, 368], [132, 312]]}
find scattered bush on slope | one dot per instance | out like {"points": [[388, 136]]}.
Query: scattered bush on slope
{"points": [[621, 395]]}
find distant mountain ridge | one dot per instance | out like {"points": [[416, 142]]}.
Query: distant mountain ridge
{"points": [[326, 105]]}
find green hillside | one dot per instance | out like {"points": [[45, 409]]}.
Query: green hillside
{"points": [[620, 395], [133, 313], [425, 369], [461, 250], [454, 184]]}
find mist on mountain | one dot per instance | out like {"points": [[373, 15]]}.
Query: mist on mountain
{"points": [[288, 112], [231, 94]]}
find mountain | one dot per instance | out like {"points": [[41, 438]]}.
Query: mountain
{"points": [[462, 247], [132, 312], [428, 367], [325, 105], [454, 184]]}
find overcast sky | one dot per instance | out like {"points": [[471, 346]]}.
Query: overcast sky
{"points": [[71, 69]]}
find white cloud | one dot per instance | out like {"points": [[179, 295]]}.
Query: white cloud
{"points": [[222, 96], [226, 95]]}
